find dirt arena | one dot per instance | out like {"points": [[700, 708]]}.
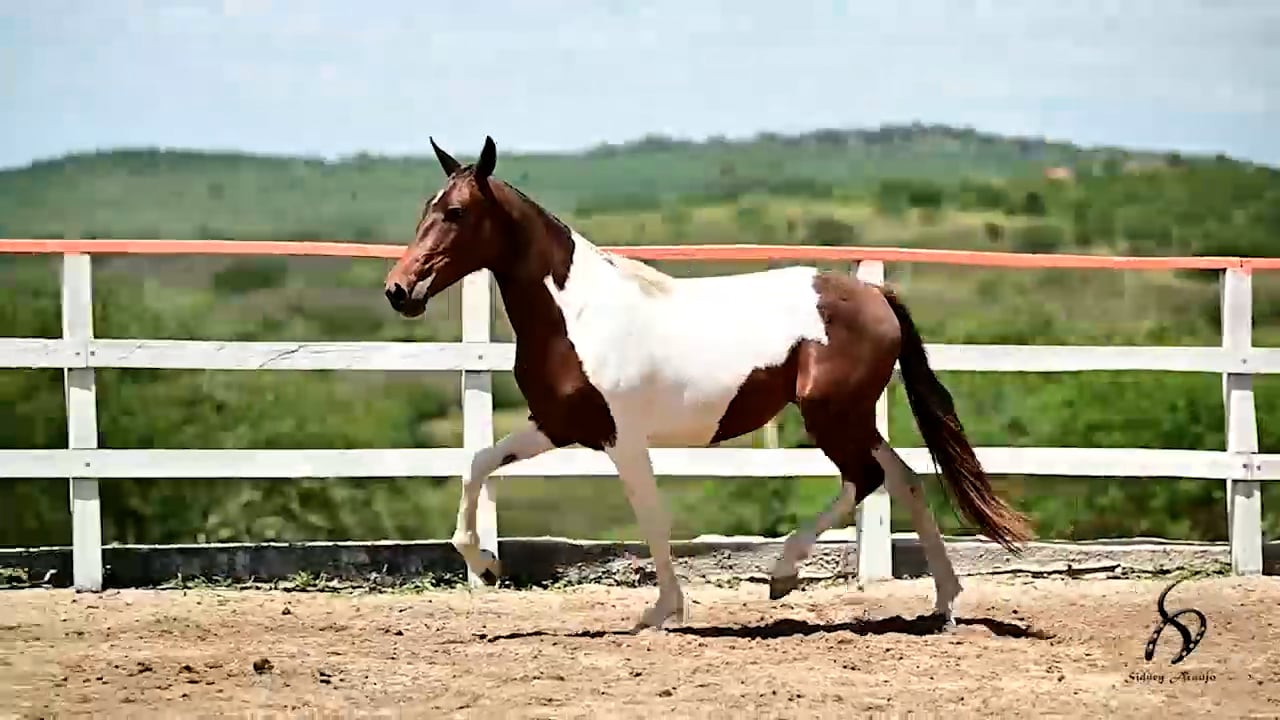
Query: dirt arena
{"points": [[1025, 648]]}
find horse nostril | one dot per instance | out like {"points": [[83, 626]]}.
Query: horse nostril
{"points": [[396, 295]]}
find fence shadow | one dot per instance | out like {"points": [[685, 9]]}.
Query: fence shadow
{"points": [[919, 626]]}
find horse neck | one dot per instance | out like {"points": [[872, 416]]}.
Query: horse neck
{"points": [[527, 304], [530, 292], [536, 300]]}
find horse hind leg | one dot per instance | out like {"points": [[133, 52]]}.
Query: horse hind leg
{"points": [[904, 486], [848, 446], [881, 465]]}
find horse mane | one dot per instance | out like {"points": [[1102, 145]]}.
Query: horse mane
{"points": [[652, 281], [539, 209]]}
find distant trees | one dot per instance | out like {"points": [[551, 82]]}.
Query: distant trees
{"points": [[244, 274], [1039, 238], [1033, 204], [831, 231], [1162, 206], [973, 194], [894, 196]]}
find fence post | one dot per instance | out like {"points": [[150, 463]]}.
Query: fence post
{"points": [[80, 391], [871, 524], [771, 438], [477, 404], [1244, 495]]}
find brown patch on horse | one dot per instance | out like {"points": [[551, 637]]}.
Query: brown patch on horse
{"points": [[833, 381], [544, 243], [562, 402], [868, 328], [764, 394], [814, 375], [837, 383]]}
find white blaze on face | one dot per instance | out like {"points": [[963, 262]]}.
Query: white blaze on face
{"points": [[434, 199]]}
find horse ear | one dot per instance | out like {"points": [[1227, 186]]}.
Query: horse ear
{"points": [[488, 159], [447, 163]]}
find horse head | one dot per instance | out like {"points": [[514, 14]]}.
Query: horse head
{"points": [[463, 228]]}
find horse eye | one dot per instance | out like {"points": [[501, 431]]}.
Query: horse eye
{"points": [[453, 213]]}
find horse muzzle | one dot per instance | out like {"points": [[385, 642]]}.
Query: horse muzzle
{"points": [[408, 302]]}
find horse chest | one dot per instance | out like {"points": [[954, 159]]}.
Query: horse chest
{"points": [[562, 401]]}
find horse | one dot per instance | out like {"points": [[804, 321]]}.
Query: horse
{"points": [[616, 356]]}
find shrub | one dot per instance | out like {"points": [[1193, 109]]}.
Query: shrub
{"points": [[1039, 238], [246, 274], [830, 231]]}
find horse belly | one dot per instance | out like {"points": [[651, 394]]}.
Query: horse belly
{"points": [[684, 424], [666, 412], [728, 372]]}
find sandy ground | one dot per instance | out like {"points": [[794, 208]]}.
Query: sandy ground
{"points": [[1025, 648]]}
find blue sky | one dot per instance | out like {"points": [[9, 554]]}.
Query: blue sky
{"points": [[335, 77]]}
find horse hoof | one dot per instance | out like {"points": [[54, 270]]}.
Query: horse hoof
{"points": [[489, 577], [659, 613], [780, 587], [943, 622]]}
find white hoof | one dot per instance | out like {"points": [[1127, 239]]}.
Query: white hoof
{"points": [[481, 563], [488, 568], [661, 611], [944, 606], [945, 617]]}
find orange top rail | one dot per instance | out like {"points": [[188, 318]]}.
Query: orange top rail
{"points": [[980, 258]]}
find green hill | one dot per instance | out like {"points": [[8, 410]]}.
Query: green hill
{"points": [[181, 194], [922, 186]]}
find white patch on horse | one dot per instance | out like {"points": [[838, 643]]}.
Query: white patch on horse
{"points": [[668, 364], [436, 198]]}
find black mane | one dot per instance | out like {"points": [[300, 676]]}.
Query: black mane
{"points": [[539, 208]]}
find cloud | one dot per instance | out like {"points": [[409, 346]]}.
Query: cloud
{"points": [[335, 77]]}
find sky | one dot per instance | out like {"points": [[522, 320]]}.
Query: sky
{"points": [[332, 78]]}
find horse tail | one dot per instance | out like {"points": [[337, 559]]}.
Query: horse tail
{"points": [[935, 414]]}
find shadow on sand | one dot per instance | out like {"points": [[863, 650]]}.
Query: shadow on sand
{"points": [[920, 626]]}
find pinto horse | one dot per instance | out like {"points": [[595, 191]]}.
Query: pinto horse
{"points": [[616, 356]]}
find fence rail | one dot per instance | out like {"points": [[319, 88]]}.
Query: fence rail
{"points": [[78, 353], [498, 356]]}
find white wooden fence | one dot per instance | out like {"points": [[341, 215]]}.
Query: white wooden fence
{"points": [[78, 353]]}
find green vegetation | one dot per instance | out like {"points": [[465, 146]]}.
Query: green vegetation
{"points": [[905, 186]]}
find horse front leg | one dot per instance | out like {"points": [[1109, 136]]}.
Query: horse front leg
{"points": [[631, 457], [522, 444]]}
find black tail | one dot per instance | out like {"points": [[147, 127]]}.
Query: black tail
{"points": [[936, 417]]}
